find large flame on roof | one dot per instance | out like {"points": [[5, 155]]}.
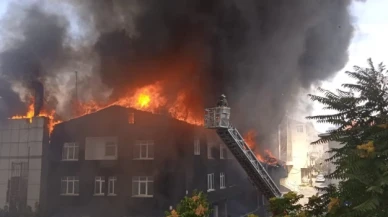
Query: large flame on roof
{"points": [[173, 93], [150, 98]]}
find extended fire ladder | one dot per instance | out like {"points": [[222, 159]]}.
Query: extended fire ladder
{"points": [[218, 118]]}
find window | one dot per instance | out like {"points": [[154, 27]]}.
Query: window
{"points": [[142, 186], [101, 148], [110, 149], [111, 185], [16, 169], [197, 147], [299, 129], [131, 118], [263, 199], [210, 182], [229, 154], [70, 185], [222, 181], [209, 151], [144, 150], [223, 152], [19, 169], [99, 185], [215, 211], [70, 151]]}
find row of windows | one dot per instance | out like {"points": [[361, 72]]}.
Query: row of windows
{"points": [[142, 186], [99, 186], [143, 150], [210, 182], [197, 150]]}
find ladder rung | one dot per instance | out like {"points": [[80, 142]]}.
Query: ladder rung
{"points": [[244, 155]]}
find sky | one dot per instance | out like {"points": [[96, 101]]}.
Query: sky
{"points": [[369, 41], [371, 23]]}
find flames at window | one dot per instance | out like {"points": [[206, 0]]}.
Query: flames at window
{"points": [[264, 156]]}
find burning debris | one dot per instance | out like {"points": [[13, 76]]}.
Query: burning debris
{"points": [[171, 57], [267, 157]]}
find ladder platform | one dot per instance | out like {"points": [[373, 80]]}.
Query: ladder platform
{"points": [[218, 118]]}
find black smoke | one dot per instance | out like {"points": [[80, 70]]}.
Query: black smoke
{"points": [[33, 52], [10, 103], [38, 89], [257, 52]]}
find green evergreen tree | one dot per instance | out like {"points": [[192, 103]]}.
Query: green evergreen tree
{"points": [[361, 116]]}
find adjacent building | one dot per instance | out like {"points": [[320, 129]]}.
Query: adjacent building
{"points": [[332, 167], [124, 162], [293, 140], [22, 163]]}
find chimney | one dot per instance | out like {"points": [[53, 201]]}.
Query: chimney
{"points": [[37, 86]]}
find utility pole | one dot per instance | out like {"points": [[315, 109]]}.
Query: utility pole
{"points": [[74, 100], [279, 145]]}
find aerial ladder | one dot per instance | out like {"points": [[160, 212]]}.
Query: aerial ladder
{"points": [[218, 118]]}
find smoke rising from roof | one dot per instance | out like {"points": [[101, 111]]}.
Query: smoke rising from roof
{"points": [[259, 53]]}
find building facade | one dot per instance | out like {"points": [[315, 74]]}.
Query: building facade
{"points": [[22, 164], [293, 140], [332, 167], [124, 162]]}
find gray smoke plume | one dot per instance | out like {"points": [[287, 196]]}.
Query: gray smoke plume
{"points": [[258, 52]]}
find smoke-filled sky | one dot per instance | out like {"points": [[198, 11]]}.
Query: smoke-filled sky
{"points": [[259, 53], [370, 41]]}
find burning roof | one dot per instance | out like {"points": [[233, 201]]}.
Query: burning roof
{"points": [[193, 49], [149, 98], [264, 156]]}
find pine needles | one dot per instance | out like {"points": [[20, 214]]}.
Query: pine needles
{"points": [[361, 118]]}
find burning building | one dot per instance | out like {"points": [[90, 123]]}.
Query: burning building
{"points": [[23, 166], [125, 162], [197, 49], [181, 53]]}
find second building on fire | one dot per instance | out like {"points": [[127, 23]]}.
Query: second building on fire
{"points": [[124, 162]]}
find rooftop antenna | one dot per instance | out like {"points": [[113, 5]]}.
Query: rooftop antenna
{"points": [[75, 99], [76, 86]]}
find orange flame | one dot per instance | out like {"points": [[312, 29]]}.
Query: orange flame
{"points": [[150, 98], [181, 111], [271, 159], [250, 138], [30, 114], [260, 158], [175, 71]]}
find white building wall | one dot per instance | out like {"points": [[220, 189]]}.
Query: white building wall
{"points": [[300, 144], [21, 142], [300, 134], [332, 167]]}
